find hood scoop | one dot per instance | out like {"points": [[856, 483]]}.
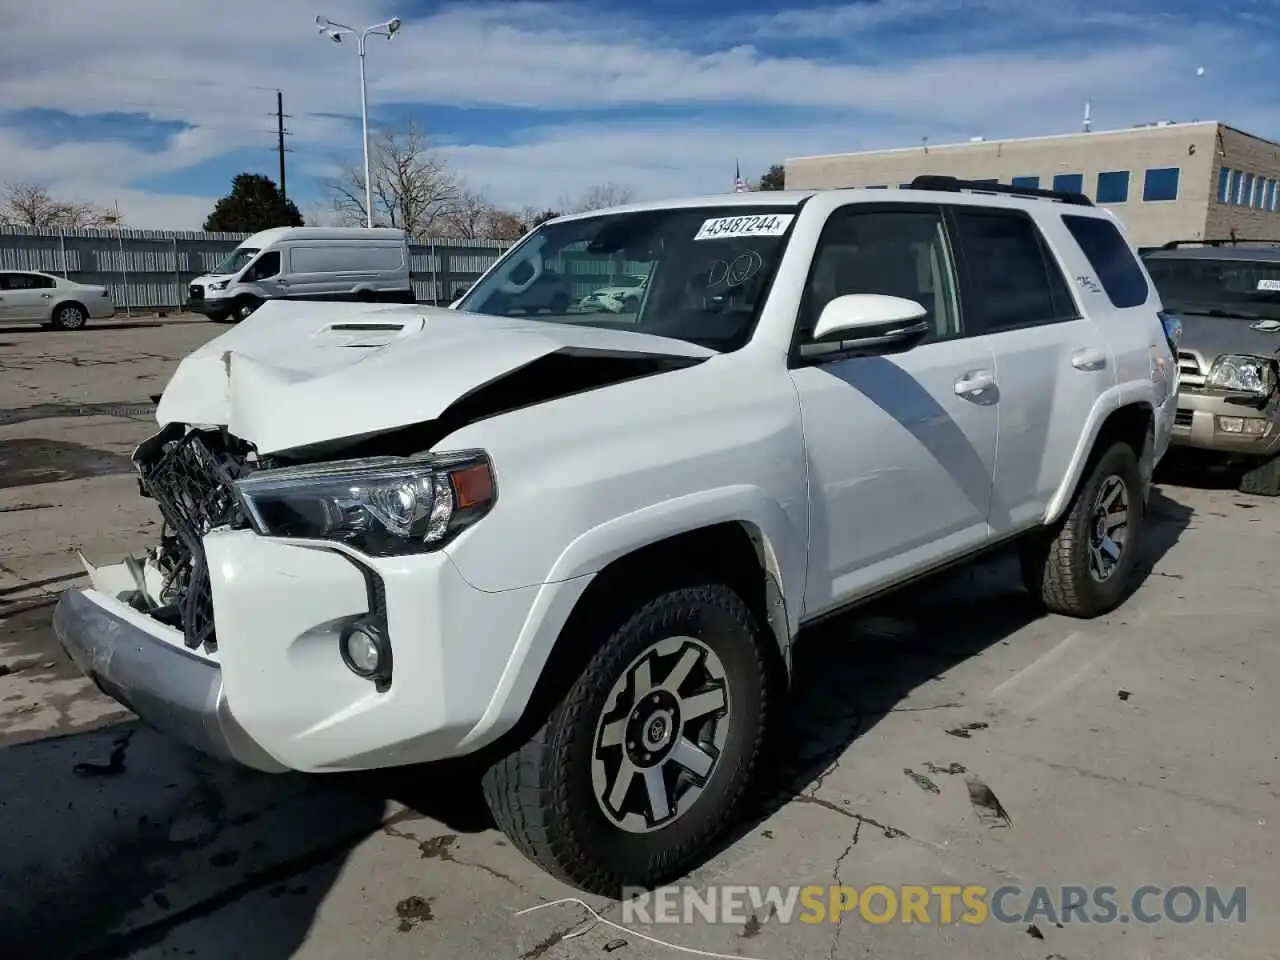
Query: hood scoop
{"points": [[367, 334]]}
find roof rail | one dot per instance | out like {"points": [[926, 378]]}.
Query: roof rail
{"points": [[930, 181], [1219, 242]]}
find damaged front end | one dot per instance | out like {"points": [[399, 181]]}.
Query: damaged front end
{"points": [[190, 474]]}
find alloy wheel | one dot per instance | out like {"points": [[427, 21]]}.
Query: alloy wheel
{"points": [[1108, 528], [660, 735]]}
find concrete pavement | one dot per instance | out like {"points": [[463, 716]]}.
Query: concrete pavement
{"points": [[947, 736]]}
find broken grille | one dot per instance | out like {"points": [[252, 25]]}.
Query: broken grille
{"points": [[191, 482]]}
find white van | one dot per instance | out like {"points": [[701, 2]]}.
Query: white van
{"points": [[306, 263]]}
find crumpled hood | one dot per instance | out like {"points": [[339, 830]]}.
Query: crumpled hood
{"points": [[1212, 337], [299, 373]]}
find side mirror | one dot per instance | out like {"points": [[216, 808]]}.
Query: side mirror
{"points": [[867, 324]]}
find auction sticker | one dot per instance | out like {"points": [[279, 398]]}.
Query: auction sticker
{"points": [[1272, 285], [761, 225]]}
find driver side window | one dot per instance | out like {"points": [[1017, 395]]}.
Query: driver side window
{"points": [[268, 265], [900, 253]]}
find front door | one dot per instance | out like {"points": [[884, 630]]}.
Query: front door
{"points": [[25, 297], [901, 448]]}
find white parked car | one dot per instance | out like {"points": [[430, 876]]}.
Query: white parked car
{"points": [[580, 549], [29, 296], [622, 296]]}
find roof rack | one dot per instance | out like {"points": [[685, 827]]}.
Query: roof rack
{"points": [[1220, 242], [930, 181]]}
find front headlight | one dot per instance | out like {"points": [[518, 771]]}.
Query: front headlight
{"points": [[218, 285], [1245, 374], [382, 506]]}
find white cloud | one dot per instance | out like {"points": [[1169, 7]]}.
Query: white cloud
{"points": [[199, 63]]}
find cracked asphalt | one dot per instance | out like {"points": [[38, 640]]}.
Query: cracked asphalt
{"points": [[949, 735]]}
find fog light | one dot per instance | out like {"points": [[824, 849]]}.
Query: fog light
{"points": [[1253, 426], [364, 650]]}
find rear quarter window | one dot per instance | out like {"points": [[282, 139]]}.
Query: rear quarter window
{"points": [[1111, 258]]}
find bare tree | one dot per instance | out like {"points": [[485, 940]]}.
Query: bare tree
{"points": [[598, 197], [469, 216], [531, 217], [505, 225], [32, 205], [413, 187]]}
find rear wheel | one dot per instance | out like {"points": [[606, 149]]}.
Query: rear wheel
{"points": [[645, 760], [69, 316], [1081, 566], [1262, 478], [559, 303]]}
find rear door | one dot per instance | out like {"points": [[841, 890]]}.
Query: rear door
{"points": [[1052, 362]]}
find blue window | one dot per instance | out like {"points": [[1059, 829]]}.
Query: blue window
{"points": [[1245, 197], [1033, 182], [1069, 182], [1236, 179], [987, 182], [904, 186], [1160, 183], [1224, 185], [1274, 199], [878, 186], [1260, 193], [1113, 186]]}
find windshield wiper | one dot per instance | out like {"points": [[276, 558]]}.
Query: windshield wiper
{"points": [[1229, 314]]}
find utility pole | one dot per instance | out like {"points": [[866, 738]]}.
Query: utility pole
{"points": [[280, 140]]}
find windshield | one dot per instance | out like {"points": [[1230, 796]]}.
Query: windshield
{"points": [[237, 261], [699, 275], [1249, 289]]}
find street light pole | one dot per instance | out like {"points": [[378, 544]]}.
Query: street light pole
{"points": [[335, 32], [364, 128]]}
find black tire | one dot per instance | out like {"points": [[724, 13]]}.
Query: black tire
{"points": [[68, 316], [542, 793], [630, 304], [244, 308], [1262, 479], [559, 303], [1057, 564]]}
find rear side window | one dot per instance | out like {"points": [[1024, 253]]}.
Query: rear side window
{"points": [[1013, 280], [1109, 254]]}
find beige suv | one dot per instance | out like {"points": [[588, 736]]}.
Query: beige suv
{"points": [[1228, 299]]}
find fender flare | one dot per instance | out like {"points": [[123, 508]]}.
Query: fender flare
{"points": [[1129, 394], [783, 552]]}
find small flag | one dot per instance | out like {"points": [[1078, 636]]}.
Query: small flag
{"points": [[739, 185]]}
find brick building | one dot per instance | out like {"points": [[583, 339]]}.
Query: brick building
{"points": [[1167, 181]]}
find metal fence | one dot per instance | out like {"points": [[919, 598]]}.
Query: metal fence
{"points": [[150, 269]]}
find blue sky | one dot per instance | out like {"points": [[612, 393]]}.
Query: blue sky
{"points": [[535, 101]]}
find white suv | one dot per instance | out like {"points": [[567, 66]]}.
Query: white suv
{"points": [[580, 549]]}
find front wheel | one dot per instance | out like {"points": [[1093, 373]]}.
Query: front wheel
{"points": [[645, 760], [244, 308], [1081, 567], [1262, 478]]}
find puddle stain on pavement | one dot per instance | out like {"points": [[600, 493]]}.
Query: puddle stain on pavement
{"points": [[28, 462]]}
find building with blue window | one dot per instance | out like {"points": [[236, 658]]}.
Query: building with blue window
{"points": [[1167, 180]]}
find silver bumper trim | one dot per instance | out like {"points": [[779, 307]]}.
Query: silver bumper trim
{"points": [[177, 692]]}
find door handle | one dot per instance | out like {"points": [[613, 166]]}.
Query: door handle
{"points": [[973, 382], [1088, 359]]}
